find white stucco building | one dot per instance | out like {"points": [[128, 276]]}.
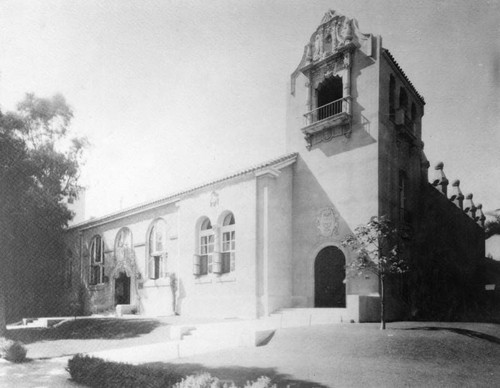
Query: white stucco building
{"points": [[268, 237]]}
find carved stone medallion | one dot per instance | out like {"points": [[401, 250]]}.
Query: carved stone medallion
{"points": [[327, 222]]}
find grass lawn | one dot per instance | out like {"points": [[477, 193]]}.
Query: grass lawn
{"points": [[407, 354], [89, 335]]}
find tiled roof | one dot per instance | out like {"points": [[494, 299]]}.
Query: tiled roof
{"points": [[389, 55], [174, 196]]}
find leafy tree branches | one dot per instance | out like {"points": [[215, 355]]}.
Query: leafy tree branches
{"points": [[377, 248], [39, 170]]}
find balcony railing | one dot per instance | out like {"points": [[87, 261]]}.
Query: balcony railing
{"points": [[342, 105]]}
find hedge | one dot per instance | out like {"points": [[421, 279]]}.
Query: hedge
{"points": [[96, 372]]}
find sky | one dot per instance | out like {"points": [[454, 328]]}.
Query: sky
{"points": [[175, 93]]}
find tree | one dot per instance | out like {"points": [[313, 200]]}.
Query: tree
{"points": [[376, 246], [39, 171]]}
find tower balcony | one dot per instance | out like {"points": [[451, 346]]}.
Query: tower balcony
{"points": [[335, 113]]}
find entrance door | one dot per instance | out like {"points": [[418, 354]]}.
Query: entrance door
{"points": [[329, 275], [122, 289]]}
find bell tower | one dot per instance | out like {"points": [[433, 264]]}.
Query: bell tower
{"points": [[354, 119], [321, 94]]}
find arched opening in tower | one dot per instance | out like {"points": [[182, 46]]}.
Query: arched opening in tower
{"points": [[329, 97]]}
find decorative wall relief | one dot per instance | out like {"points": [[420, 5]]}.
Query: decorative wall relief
{"points": [[214, 199], [124, 262], [327, 222], [328, 135]]}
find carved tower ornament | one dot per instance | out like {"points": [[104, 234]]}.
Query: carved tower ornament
{"points": [[335, 35], [318, 46], [214, 199], [327, 222]]}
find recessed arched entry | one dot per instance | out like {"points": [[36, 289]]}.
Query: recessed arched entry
{"points": [[122, 289], [329, 275]]}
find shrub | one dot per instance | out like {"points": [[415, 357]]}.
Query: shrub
{"points": [[261, 382], [95, 372], [205, 380], [13, 351]]}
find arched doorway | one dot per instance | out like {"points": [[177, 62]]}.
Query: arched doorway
{"points": [[122, 289], [329, 275]]}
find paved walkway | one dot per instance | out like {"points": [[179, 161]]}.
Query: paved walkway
{"points": [[49, 373]]}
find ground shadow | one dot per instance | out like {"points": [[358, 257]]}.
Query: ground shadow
{"points": [[106, 328], [468, 333], [238, 374]]}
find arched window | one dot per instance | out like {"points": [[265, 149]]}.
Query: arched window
{"points": [[392, 92], [157, 249], [413, 112], [228, 244], [96, 261], [206, 248], [403, 99], [123, 239]]}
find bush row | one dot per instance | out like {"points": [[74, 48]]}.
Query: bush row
{"points": [[96, 372]]}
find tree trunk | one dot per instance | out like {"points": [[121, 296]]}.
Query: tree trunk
{"points": [[382, 303], [3, 327]]}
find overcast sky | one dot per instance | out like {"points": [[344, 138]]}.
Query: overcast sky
{"points": [[173, 93]]}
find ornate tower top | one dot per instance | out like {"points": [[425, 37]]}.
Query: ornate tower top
{"points": [[336, 33]]}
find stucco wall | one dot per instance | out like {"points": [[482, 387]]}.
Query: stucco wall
{"points": [[274, 247], [341, 174], [228, 295]]}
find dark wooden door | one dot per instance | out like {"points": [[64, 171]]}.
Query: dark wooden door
{"points": [[329, 275], [122, 289]]}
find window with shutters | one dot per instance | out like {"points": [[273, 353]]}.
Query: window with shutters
{"points": [[96, 275], [228, 244], [206, 248], [157, 250]]}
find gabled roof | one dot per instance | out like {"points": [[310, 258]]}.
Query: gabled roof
{"points": [[275, 164]]}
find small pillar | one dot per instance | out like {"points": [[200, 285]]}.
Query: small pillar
{"points": [[471, 208], [440, 181], [457, 198], [481, 217]]}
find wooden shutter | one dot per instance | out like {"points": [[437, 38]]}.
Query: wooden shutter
{"points": [[217, 263], [196, 265], [232, 265], [151, 267]]}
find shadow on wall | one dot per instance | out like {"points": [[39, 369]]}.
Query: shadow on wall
{"points": [[314, 230], [358, 134], [106, 328], [238, 374]]}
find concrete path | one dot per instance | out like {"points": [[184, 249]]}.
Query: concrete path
{"points": [[407, 354], [49, 373]]}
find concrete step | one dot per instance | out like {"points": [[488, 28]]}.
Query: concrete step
{"points": [[298, 317]]}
